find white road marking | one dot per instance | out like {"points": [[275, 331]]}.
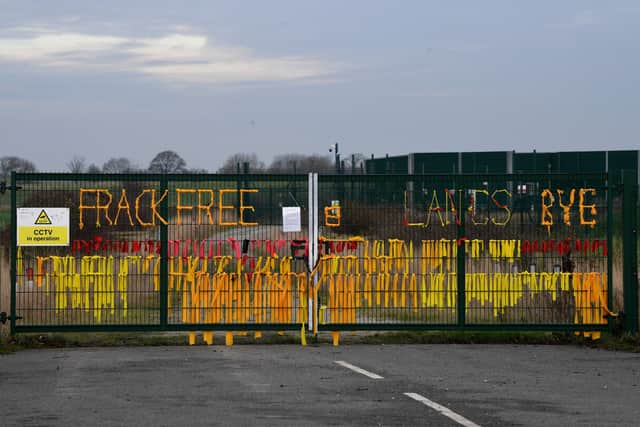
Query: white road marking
{"points": [[443, 410], [359, 370]]}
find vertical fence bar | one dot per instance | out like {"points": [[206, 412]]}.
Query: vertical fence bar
{"points": [[461, 259], [14, 251], [164, 254], [630, 248]]}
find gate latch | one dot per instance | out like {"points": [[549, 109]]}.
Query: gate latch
{"points": [[4, 318], [4, 187]]}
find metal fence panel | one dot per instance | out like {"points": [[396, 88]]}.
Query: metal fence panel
{"points": [[236, 268], [464, 251], [163, 252], [205, 252], [107, 277]]}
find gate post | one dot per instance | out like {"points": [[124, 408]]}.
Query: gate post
{"points": [[14, 251], [630, 250], [312, 237]]}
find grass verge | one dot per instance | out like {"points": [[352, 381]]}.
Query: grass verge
{"points": [[627, 343], [608, 342]]}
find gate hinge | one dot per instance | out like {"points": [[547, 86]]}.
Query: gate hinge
{"points": [[4, 318], [4, 187]]}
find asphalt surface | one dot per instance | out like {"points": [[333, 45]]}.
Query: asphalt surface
{"points": [[283, 385]]}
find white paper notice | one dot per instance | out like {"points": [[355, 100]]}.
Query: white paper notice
{"points": [[291, 219]]}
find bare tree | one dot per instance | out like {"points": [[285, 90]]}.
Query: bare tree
{"points": [[77, 165], [12, 163], [167, 162], [301, 163], [231, 164], [119, 165], [93, 168]]}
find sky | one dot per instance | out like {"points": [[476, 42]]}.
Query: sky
{"points": [[208, 79]]}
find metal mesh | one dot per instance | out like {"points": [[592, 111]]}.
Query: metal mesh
{"points": [[107, 276], [172, 252], [227, 260], [230, 263], [392, 258]]}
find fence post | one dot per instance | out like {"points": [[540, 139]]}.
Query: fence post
{"points": [[164, 254], [630, 251], [14, 251]]}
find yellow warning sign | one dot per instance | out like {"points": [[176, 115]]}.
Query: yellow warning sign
{"points": [[43, 218], [43, 226], [43, 236]]}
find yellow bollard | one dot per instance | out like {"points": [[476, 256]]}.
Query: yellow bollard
{"points": [[336, 338], [192, 338], [323, 313], [208, 337], [257, 335], [303, 336], [229, 339]]}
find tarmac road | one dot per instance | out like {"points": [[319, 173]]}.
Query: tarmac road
{"points": [[285, 385]]}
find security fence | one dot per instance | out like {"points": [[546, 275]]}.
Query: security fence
{"points": [[330, 252], [491, 251], [179, 252]]}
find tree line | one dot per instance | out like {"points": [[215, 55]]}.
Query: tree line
{"points": [[169, 161]]}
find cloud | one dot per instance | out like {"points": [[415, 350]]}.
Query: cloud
{"points": [[585, 18], [180, 57]]}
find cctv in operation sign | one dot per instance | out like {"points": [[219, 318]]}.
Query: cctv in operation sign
{"points": [[43, 226]]}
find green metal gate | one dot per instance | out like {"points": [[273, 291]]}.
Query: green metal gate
{"points": [[349, 252], [160, 252], [524, 252]]}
